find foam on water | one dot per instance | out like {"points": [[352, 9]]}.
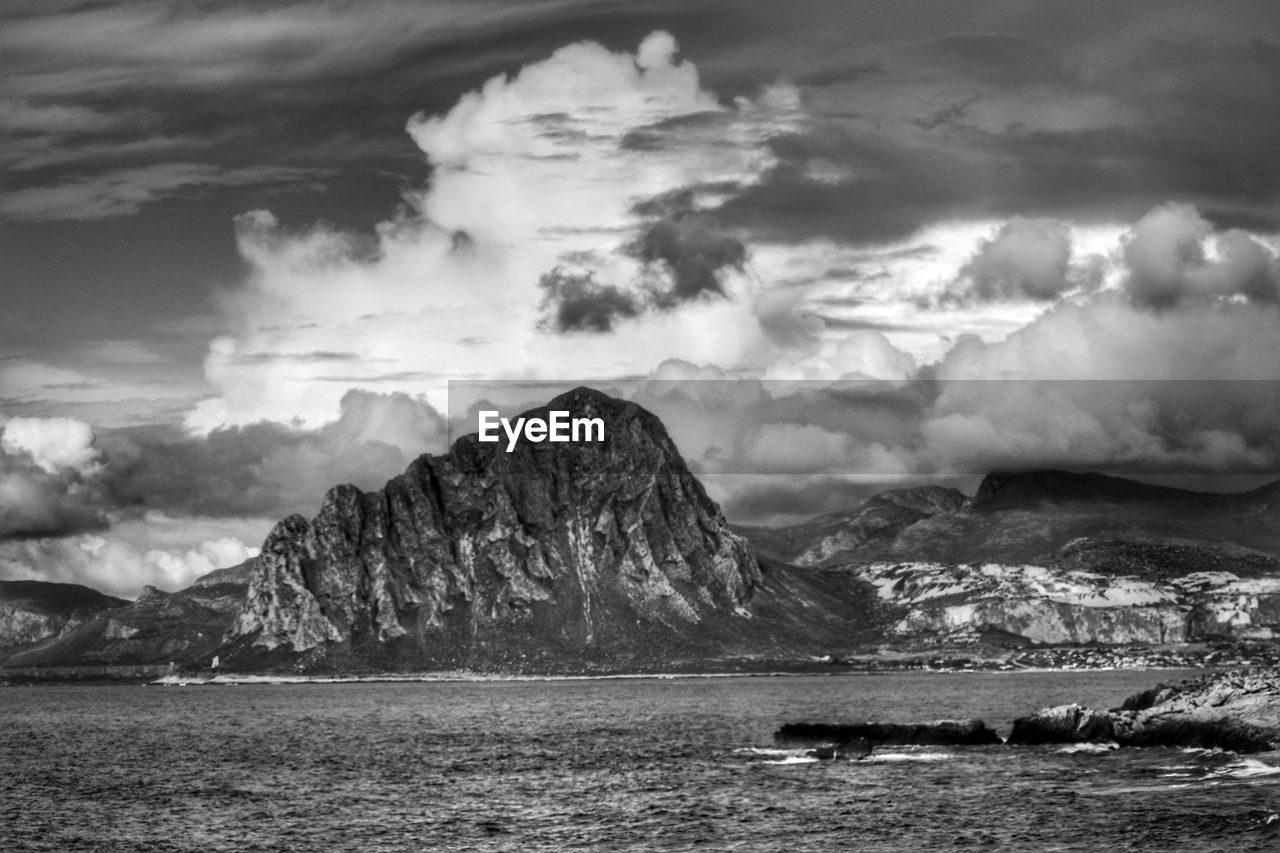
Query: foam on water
{"points": [[1247, 768], [1074, 748], [895, 757]]}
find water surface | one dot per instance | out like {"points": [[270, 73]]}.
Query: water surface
{"points": [[635, 764]]}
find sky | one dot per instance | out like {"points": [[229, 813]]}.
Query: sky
{"points": [[246, 246]]}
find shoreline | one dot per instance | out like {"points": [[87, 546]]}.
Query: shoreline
{"points": [[231, 680]]}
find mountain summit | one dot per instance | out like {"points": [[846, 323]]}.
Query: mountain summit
{"points": [[605, 550]]}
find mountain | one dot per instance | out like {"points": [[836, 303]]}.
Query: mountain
{"points": [[608, 556], [31, 611], [549, 557], [864, 532], [1055, 518], [1054, 557], [157, 629]]}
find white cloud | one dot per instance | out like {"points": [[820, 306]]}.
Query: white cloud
{"points": [[533, 172], [54, 444], [1172, 255], [159, 550]]}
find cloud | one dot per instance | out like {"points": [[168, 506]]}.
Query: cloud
{"points": [[49, 474], [1026, 259], [160, 550], [1168, 262], [270, 469], [532, 168], [154, 505], [579, 303], [53, 444], [689, 251], [123, 192]]}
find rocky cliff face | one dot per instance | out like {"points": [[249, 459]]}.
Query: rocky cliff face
{"points": [[32, 611], [605, 550], [1084, 522], [1239, 711], [1057, 558], [183, 628]]}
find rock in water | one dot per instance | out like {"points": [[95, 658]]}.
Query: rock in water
{"points": [[852, 750], [573, 552], [939, 733], [1239, 711], [1063, 724]]}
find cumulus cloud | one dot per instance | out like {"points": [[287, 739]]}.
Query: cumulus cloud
{"points": [[271, 469], [160, 550], [155, 505], [48, 478], [1026, 259], [689, 252], [53, 444], [540, 171], [578, 303], [1168, 260]]}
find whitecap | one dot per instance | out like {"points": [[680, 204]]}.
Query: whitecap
{"points": [[893, 757], [1248, 768], [793, 759], [1089, 747], [753, 750]]}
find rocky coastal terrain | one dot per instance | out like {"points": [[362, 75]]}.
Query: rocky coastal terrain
{"points": [[1052, 558], [1234, 710], [33, 611], [598, 557]]}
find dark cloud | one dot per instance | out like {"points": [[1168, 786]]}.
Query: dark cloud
{"points": [[783, 500], [576, 302], [268, 469], [899, 189], [1000, 59], [36, 503], [1167, 261], [688, 251], [683, 253], [660, 135], [1026, 259], [840, 74]]}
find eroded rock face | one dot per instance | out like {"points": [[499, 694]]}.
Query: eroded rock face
{"points": [[938, 733], [480, 555], [1063, 724], [1052, 605], [32, 611], [1239, 711]]}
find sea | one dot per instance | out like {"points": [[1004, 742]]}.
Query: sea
{"points": [[635, 764]]}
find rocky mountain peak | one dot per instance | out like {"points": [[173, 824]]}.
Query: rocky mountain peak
{"points": [[570, 547]]}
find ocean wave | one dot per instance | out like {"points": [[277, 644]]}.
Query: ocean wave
{"points": [[794, 759], [755, 750], [893, 757], [1246, 768], [1109, 746]]}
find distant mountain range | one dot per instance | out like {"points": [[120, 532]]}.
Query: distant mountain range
{"points": [[609, 556]]}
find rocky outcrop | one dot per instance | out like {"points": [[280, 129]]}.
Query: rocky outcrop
{"points": [[33, 611], [1239, 711], [939, 733], [484, 557], [1063, 724], [1055, 519], [942, 602], [159, 629]]}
